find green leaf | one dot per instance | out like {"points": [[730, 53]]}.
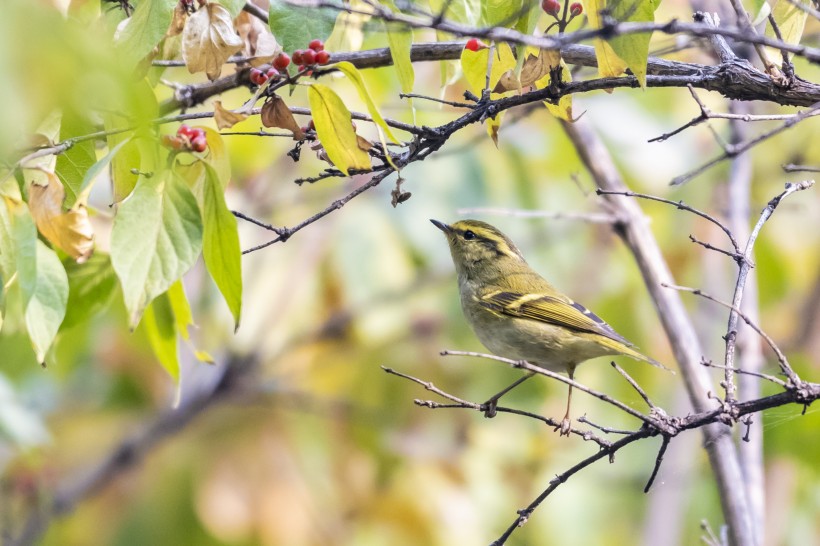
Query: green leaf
{"points": [[221, 251], [335, 130], [791, 20], [294, 27], [156, 238], [181, 309], [45, 295], [144, 29], [91, 288], [139, 108], [758, 10], [217, 156], [400, 40], [77, 160], [356, 79], [234, 7], [459, 11], [8, 258], [158, 325], [633, 49], [502, 12], [99, 167]]}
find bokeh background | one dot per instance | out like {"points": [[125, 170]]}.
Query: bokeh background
{"points": [[324, 447]]}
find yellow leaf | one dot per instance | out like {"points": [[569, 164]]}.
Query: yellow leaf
{"points": [[69, 231], [400, 40], [791, 21], [552, 58], [225, 119], [474, 66], [335, 129], [609, 64], [355, 78], [208, 40]]}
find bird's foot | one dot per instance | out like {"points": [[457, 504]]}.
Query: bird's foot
{"points": [[489, 408]]}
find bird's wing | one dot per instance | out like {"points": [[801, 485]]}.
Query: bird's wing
{"points": [[549, 309]]}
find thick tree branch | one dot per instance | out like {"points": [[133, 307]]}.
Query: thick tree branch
{"points": [[676, 322]]}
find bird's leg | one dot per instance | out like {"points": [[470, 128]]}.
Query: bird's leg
{"points": [[489, 406], [566, 422]]}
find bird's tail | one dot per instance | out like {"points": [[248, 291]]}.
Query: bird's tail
{"points": [[632, 353]]}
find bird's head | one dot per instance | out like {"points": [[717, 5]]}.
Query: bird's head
{"points": [[479, 249]]}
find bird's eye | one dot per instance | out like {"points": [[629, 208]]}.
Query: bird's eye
{"points": [[469, 235]]}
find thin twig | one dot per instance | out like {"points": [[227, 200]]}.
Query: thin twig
{"points": [[679, 205], [658, 461], [591, 217], [781, 358], [634, 384], [736, 150]]}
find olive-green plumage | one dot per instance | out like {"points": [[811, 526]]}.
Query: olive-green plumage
{"points": [[516, 313]]}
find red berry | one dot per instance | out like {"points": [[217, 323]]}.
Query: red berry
{"points": [[256, 76], [199, 144], [316, 45], [185, 131], [472, 44], [576, 9], [297, 56], [272, 73], [281, 61], [197, 132], [322, 57], [551, 7], [308, 56]]}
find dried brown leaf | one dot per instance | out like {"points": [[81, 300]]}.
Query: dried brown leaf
{"points": [[275, 113], [507, 82], [259, 44], [178, 21], [225, 119], [363, 143], [70, 231], [538, 66], [208, 40]]}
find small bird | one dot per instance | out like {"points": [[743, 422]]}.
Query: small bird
{"points": [[517, 314]]}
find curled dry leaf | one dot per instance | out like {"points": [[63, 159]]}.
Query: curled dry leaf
{"points": [[275, 113], [321, 153], [225, 119], [70, 231], [259, 44], [208, 40], [507, 82], [178, 21], [538, 66], [363, 143]]}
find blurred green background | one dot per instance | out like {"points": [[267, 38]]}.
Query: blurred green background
{"points": [[326, 448]]}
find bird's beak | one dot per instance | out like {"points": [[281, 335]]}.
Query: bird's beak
{"points": [[443, 227]]}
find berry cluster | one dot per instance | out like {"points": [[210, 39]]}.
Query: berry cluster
{"points": [[553, 7], [314, 54], [279, 64], [188, 138]]}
